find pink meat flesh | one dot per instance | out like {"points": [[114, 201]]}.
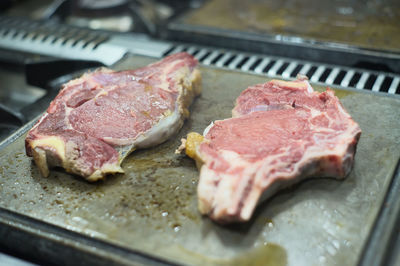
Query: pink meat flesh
{"points": [[281, 132]]}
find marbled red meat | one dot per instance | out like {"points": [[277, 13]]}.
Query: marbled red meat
{"points": [[97, 119], [281, 132]]}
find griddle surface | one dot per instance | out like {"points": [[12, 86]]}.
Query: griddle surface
{"points": [[366, 24], [153, 206]]}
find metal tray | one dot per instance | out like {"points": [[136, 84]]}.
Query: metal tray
{"points": [[312, 30], [149, 214], [318, 20]]}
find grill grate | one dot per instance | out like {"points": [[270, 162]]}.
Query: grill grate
{"points": [[84, 44], [277, 67], [57, 40], [52, 33]]}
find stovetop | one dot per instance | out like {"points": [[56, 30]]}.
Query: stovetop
{"points": [[69, 36]]}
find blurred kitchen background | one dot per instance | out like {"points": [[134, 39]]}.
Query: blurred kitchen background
{"points": [[371, 24]]}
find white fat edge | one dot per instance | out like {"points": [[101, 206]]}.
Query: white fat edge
{"points": [[40, 121], [207, 129], [205, 157], [157, 134], [160, 132], [309, 88]]}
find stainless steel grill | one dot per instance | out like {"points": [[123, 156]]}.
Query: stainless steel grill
{"points": [[107, 48], [65, 41], [278, 67]]}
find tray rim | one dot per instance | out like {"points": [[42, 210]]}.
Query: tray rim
{"points": [[35, 234], [373, 252]]}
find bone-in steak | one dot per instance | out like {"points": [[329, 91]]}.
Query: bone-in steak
{"points": [[98, 119], [281, 132]]}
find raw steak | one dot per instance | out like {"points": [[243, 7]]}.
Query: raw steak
{"points": [[98, 119], [281, 132]]}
